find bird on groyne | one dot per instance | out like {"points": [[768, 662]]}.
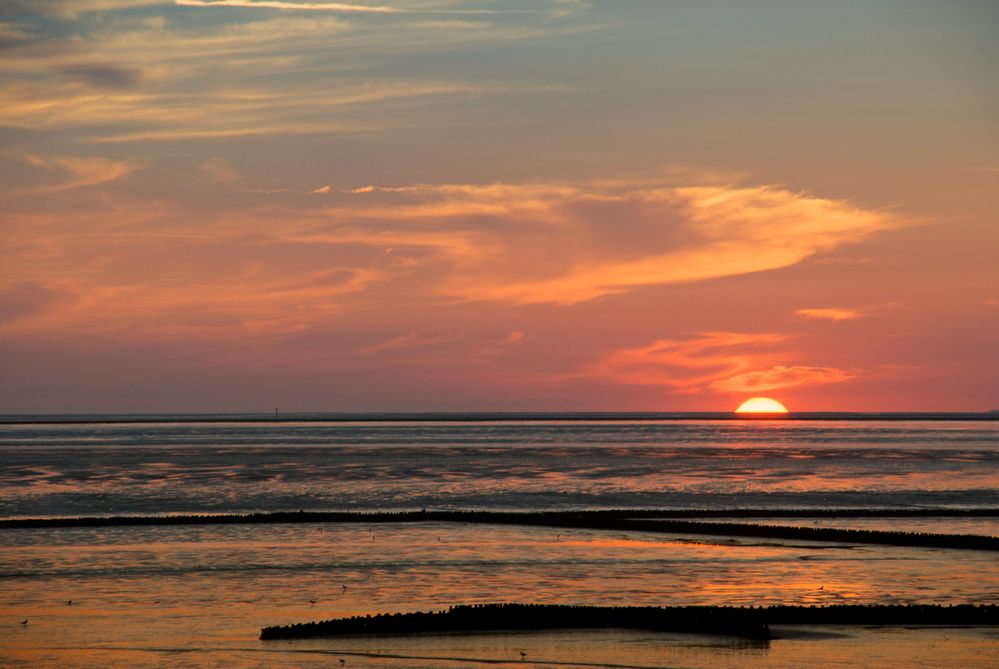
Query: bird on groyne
{"points": [[523, 655]]}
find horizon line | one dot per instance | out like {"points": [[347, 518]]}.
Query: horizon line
{"points": [[477, 416]]}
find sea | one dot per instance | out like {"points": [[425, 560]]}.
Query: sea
{"points": [[197, 595]]}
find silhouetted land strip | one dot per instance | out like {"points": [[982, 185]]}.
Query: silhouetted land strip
{"points": [[619, 520], [752, 623], [299, 417]]}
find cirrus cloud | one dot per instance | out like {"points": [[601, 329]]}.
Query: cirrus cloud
{"points": [[563, 243], [79, 172]]}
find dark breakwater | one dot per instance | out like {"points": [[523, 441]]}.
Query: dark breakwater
{"points": [[529, 617], [619, 520], [751, 623]]}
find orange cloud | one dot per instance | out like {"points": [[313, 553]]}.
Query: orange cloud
{"points": [[568, 243], [780, 377], [288, 259], [688, 364], [515, 337], [831, 313], [729, 362], [249, 304]]}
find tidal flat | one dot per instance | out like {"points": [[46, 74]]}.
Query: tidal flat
{"points": [[167, 585], [199, 595]]}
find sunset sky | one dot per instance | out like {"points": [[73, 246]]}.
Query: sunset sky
{"points": [[472, 205]]}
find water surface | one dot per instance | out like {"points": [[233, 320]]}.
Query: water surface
{"points": [[198, 595]]}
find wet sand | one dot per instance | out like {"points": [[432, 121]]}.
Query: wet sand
{"points": [[800, 647], [199, 595]]}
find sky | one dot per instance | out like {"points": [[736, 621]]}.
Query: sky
{"points": [[474, 205]]}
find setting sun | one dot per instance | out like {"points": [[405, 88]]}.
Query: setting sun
{"points": [[761, 405]]}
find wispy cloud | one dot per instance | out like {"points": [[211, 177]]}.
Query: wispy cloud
{"points": [[293, 257], [235, 113], [831, 313], [779, 377], [409, 340], [727, 362], [72, 9], [247, 302], [353, 8], [220, 170], [11, 35], [100, 75], [296, 6], [585, 234], [497, 346], [80, 172], [27, 298], [691, 364], [302, 68], [319, 190]]}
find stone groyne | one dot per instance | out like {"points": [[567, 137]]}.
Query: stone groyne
{"points": [[669, 522], [753, 623]]}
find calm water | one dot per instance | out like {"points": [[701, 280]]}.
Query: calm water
{"points": [[183, 596], [86, 469]]}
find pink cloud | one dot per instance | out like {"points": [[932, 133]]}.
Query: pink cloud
{"points": [[409, 340]]}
